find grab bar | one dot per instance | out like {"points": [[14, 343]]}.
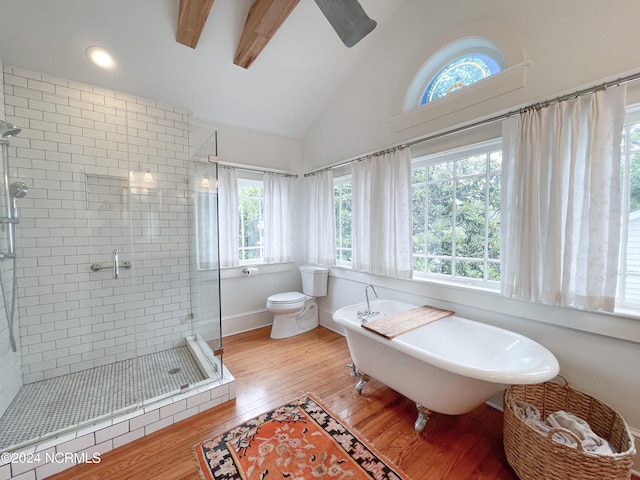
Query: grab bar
{"points": [[96, 267]]}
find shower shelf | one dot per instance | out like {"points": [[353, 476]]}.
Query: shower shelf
{"points": [[96, 267]]}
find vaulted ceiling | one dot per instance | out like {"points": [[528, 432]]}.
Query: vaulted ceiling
{"points": [[270, 68]]}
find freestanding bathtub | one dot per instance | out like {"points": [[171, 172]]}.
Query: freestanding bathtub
{"points": [[450, 366]]}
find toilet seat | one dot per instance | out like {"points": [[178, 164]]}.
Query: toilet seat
{"points": [[287, 299]]}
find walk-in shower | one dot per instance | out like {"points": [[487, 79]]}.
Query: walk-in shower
{"points": [[11, 194], [111, 313]]}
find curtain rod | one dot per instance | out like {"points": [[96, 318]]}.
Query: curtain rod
{"points": [[486, 121], [239, 166]]}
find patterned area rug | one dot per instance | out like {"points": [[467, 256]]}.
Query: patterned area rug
{"points": [[297, 441]]}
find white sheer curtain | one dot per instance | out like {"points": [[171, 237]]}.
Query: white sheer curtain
{"points": [[322, 224], [228, 211], [560, 220], [278, 191], [381, 212]]}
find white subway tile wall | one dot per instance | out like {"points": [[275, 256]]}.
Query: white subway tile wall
{"points": [[105, 171], [10, 363]]}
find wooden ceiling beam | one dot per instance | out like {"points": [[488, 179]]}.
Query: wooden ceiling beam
{"points": [[264, 19], [192, 16]]}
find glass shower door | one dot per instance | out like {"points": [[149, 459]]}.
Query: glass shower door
{"points": [[205, 259]]}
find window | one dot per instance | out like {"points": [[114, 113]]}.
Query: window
{"points": [[342, 202], [456, 214], [459, 74], [629, 281], [255, 216], [251, 220], [453, 67]]}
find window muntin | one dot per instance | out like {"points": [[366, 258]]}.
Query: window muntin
{"points": [[458, 74], [456, 215], [342, 204], [251, 221]]}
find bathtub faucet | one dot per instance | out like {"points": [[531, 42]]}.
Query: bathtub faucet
{"points": [[366, 294], [368, 313]]}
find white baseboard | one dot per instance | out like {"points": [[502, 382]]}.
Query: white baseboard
{"points": [[326, 320], [496, 402], [245, 321]]}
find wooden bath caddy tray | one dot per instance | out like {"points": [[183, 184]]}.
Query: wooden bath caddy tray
{"points": [[393, 325]]}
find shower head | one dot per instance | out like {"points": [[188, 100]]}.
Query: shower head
{"points": [[18, 190], [8, 129]]}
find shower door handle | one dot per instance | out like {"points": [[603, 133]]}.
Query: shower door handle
{"points": [[116, 264]]}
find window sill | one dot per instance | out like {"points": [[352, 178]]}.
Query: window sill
{"points": [[263, 268], [480, 302], [627, 313]]}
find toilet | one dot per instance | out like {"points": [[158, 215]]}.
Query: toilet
{"points": [[294, 312]]}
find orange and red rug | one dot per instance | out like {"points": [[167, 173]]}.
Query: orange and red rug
{"points": [[299, 440]]}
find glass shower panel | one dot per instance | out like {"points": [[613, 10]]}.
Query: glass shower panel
{"points": [[161, 245], [205, 261]]}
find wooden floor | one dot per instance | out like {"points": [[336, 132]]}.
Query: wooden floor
{"points": [[270, 372]]}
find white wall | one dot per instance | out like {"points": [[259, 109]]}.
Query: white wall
{"points": [[570, 44]]}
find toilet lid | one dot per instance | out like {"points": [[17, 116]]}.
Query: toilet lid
{"points": [[287, 297]]}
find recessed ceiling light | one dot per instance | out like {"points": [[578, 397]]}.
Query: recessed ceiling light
{"points": [[101, 57]]}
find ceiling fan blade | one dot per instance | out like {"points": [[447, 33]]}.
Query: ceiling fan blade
{"points": [[348, 19]]}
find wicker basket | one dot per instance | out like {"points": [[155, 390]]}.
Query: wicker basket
{"points": [[534, 456]]}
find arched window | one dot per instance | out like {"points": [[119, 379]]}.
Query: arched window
{"points": [[458, 74], [453, 67]]}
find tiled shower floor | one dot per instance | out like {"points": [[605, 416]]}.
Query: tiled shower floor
{"points": [[60, 402]]}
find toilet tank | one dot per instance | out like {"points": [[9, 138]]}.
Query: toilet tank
{"points": [[314, 280]]}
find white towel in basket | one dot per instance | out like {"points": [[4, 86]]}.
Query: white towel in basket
{"points": [[591, 442], [525, 410]]}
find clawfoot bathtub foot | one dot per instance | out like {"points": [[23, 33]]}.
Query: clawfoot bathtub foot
{"points": [[423, 418], [364, 378]]}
